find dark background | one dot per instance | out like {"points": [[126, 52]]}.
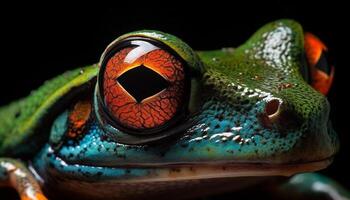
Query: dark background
{"points": [[41, 41]]}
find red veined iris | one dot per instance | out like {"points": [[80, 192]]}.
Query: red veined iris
{"points": [[143, 85], [321, 71]]}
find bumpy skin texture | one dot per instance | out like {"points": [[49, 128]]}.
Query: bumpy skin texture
{"points": [[267, 67], [230, 112], [21, 121]]}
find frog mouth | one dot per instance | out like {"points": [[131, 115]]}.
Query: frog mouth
{"points": [[185, 171]]}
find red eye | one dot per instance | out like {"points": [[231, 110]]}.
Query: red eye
{"points": [[142, 85], [321, 72]]}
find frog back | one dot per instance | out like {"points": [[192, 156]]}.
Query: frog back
{"points": [[24, 123]]}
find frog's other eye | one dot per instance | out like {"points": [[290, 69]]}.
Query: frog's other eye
{"points": [[143, 86], [320, 72]]}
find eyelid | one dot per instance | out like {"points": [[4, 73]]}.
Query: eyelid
{"points": [[177, 45]]}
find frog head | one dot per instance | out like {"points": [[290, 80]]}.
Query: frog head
{"points": [[161, 112]]}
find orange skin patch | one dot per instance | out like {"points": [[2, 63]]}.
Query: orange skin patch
{"points": [[321, 81], [37, 196], [78, 118], [152, 111]]}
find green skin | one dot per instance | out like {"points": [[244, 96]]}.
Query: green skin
{"points": [[232, 139]]}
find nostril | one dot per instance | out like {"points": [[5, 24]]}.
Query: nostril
{"points": [[277, 114], [273, 113], [272, 108]]}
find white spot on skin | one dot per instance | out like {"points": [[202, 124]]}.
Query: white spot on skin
{"points": [[253, 95], [206, 129], [198, 126], [8, 166], [156, 35], [196, 139], [64, 164], [276, 47], [225, 134], [236, 128], [247, 140], [236, 138], [20, 173]]}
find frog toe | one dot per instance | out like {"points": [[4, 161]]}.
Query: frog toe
{"points": [[13, 173]]}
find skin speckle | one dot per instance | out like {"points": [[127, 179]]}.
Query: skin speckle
{"points": [[18, 114], [230, 151], [237, 138], [184, 145], [215, 59], [176, 170], [51, 165]]}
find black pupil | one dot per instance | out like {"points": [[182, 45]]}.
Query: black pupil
{"points": [[142, 82], [322, 63]]}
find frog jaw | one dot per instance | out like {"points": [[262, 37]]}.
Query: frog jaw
{"points": [[113, 182], [158, 172]]}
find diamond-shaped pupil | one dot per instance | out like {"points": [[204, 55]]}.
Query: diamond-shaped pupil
{"points": [[322, 63], [142, 82]]}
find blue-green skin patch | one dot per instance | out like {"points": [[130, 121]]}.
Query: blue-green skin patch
{"points": [[229, 95]]}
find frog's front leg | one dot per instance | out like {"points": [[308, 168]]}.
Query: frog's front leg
{"points": [[14, 174], [311, 186]]}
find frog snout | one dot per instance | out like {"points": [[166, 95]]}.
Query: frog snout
{"points": [[308, 123]]}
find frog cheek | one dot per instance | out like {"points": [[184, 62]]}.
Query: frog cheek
{"points": [[58, 130]]}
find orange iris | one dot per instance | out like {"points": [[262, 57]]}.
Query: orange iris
{"points": [[314, 48], [143, 85]]}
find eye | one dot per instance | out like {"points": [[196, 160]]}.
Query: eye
{"points": [[321, 73], [143, 85]]}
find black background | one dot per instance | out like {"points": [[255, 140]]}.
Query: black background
{"points": [[41, 41]]}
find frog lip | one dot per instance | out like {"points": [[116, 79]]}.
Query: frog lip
{"points": [[217, 169]]}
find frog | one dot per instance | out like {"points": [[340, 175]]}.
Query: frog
{"points": [[155, 119]]}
